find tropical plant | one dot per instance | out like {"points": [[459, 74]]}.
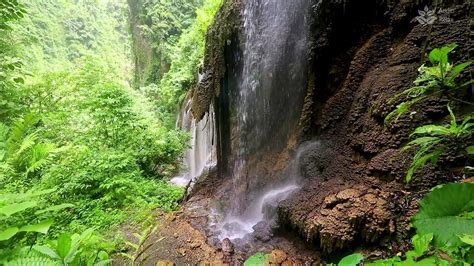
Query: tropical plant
{"points": [[21, 150], [440, 80], [11, 66], [433, 140], [68, 250], [23, 215], [138, 250]]}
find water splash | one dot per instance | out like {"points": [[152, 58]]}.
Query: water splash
{"points": [[263, 208]]}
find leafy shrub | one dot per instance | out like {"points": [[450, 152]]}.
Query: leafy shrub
{"points": [[434, 140], [441, 80], [23, 214], [11, 66], [70, 250], [186, 56]]}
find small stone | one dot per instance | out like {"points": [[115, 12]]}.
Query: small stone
{"points": [[348, 194], [181, 251], [370, 198], [195, 245], [164, 263], [330, 201], [277, 256]]}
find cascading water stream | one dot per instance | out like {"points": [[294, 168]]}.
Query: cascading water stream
{"points": [[271, 90], [201, 155]]}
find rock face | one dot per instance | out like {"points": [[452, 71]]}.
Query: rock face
{"points": [[362, 53], [353, 187]]}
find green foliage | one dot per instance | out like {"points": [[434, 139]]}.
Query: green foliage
{"points": [[351, 260], [186, 56], [23, 215], [440, 80], [433, 140], [443, 213], [257, 259], [156, 26], [11, 67], [10, 10], [70, 250], [138, 249], [22, 154], [70, 122]]}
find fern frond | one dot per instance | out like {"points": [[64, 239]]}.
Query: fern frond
{"points": [[40, 155], [20, 129], [19, 158]]}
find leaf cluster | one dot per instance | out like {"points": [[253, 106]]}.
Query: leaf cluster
{"points": [[441, 79], [434, 140]]}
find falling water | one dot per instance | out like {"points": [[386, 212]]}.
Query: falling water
{"points": [[264, 206], [271, 91], [201, 155]]}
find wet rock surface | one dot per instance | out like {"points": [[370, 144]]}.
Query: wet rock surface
{"points": [[352, 189], [361, 55]]}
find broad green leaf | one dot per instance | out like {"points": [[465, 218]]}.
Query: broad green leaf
{"points": [[422, 141], [458, 69], [351, 260], [441, 54], [42, 227], [421, 243], [76, 241], [8, 233], [258, 259], [468, 239], [435, 55], [64, 245], [17, 207], [51, 253], [432, 130], [440, 214]]}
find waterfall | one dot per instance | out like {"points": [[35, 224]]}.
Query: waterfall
{"points": [[267, 107], [201, 155]]}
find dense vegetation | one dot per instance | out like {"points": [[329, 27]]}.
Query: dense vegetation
{"points": [[88, 96], [81, 150]]}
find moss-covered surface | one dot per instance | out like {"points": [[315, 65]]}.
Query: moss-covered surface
{"points": [[227, 23]]}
